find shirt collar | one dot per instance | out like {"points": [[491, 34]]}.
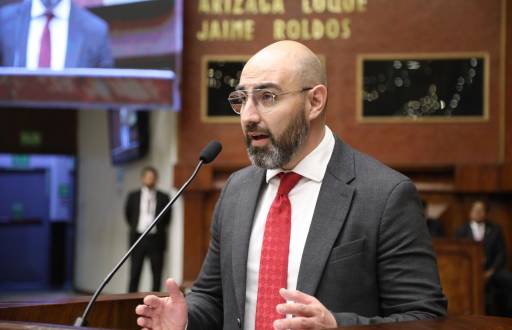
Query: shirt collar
{"points": [[314, 165], [60, 11], [477, 224], [146, 191]]}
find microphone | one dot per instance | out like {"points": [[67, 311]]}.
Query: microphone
{"points": [[211, 151], [207, 155]]}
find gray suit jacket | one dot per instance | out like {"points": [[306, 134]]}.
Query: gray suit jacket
{"points": [[368, 255], [88, 41]]}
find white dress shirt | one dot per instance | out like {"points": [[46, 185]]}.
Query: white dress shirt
{"points": [[478, 229], [58, 33], [147, 209], [303, 199]]}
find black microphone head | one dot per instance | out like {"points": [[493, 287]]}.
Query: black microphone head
{"points": [[211, 151]]}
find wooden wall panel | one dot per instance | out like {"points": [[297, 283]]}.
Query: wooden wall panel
{"points": [[506, 76], [403, 26], [501, 214], [461, 275], [196, 235]]}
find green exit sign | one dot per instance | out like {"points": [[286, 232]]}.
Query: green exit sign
{"points": [[31, 138]]}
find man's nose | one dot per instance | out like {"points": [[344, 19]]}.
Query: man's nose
{"points": [[250, 112]]}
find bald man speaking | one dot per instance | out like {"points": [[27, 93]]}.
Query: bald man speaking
{"points": [[314, 234]]}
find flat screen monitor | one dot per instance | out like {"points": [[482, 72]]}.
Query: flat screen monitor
{"points": [[105, 34], [129, 135]]}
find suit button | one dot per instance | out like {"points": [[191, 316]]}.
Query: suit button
{"points": [[239, 322]]}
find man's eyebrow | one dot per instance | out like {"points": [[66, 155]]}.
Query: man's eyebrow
{"points": [[260, 86], [268, 85]]}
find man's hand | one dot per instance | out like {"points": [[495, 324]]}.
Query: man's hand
{"points": [[307, 311], [168, 313]]}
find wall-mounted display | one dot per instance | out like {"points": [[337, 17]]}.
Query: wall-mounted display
{"points": [[220, 76], [423, 87]]}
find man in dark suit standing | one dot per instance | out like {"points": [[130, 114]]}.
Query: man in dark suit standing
{"points": [[314, 234], [499, 280], [142, 206], [68, 35]]}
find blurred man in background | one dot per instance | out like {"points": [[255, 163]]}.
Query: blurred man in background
{"points": [[499, 280], [142, 206], [52, 34]]}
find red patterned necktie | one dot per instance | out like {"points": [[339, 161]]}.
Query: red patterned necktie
{"points": [[45, 50], [273, 272]]}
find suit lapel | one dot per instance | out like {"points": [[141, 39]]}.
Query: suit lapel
{"points": [[160, 202], [21, 38], [75, 37], [487, 231], [332, 207], [469, 232], [136, 210], [244, 216]]}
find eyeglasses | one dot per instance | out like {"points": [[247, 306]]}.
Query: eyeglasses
{"points": [[263, 97]]}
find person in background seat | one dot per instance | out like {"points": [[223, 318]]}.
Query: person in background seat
{"points": [[498, 279]]}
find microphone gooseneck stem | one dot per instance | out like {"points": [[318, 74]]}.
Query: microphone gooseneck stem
{"points": [[81, 321]]}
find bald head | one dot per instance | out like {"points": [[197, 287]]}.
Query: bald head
{"points": [[282, 129], [301, 66]]}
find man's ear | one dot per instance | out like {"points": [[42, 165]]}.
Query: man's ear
{"points": [[317, 99]]}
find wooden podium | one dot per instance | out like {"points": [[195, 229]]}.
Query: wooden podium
{"points": [[109, 311], [117, 312], [472, 322], [460, 268], [460, 264]]}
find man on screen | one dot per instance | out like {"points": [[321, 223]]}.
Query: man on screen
{"points": [[53, 34], [312, 222]]}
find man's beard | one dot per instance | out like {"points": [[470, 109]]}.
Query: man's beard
{"points": [[282, 149]]}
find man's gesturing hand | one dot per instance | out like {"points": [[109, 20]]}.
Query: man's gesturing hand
{"points": [[168, 313], [307, 311]]}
